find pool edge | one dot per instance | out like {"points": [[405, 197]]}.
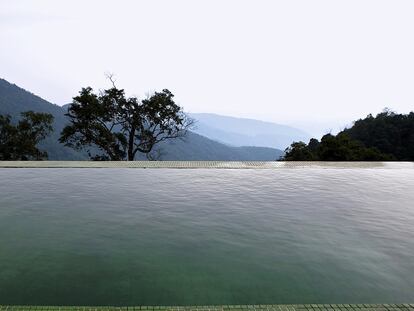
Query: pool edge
{"points": [[204, 164], [272, 307]]}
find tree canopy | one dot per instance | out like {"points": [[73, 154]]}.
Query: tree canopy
{"points": [[113, 127], [19, 141], [333, 148], [388, 136], [389, 132]]}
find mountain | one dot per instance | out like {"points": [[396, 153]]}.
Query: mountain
{"points": [[14, 100], [191, 147], [246, 132]]}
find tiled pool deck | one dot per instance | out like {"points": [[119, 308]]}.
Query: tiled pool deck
{"points": [[312, 307], [202, 164]]}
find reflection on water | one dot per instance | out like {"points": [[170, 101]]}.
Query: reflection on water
{"points": [[207, 236]]}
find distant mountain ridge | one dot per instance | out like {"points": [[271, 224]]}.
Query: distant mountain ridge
{"points": [[247, 132], [14, 100]]}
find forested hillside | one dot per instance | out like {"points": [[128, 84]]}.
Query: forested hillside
{"points": [[389, 132], [14, 100], [386, 137]]}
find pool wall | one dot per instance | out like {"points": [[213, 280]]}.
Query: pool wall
{"points": [[308, 307]]}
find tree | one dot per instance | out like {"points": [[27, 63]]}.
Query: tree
{"points": [[298, 151], [19, 142], [119, 127], [342, 148], [333, 148]]}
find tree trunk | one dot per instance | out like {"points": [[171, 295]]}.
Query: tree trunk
{"points": [[131, 154]]}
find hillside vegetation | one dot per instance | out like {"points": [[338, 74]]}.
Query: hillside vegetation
{"points": [[389, 132], [387, 136], [14, 100]]}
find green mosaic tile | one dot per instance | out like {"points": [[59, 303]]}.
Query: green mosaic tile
{"points": [[306, 307]]}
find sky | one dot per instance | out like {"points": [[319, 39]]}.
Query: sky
{"points": [[316, 64]]}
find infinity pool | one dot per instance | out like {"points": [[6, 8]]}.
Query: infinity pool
{"points": [[119, 236]]}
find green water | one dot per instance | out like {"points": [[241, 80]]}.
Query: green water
{"points": [[206, 236]]}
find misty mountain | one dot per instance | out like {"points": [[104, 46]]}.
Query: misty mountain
{"points": [[197, 147], [247, 132], [14, 100]]}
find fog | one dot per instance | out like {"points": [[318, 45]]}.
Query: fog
{"points": [[317, 64]]}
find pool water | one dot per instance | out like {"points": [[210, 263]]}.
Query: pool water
{"points": [[119, 236]]}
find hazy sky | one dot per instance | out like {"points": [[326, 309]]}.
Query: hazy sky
{"points": [[316, 64]]}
